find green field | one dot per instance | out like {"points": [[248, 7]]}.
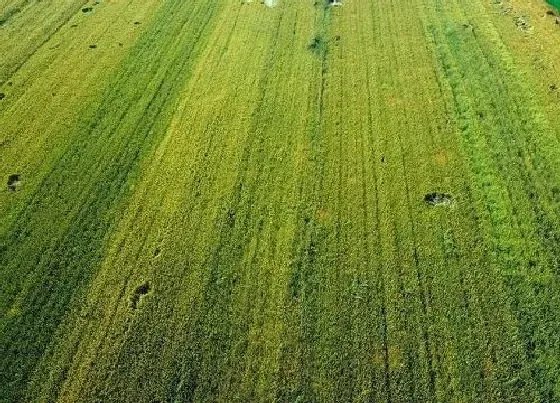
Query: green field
{"points": [[280, 200]]}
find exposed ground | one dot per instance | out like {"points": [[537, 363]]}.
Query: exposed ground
{"points": [[238, 200]]}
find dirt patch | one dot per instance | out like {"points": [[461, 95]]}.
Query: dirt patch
{"points": [[441, 157], [438, 199], [139, 292], [322, 215], [522, 23], [14, 182]]}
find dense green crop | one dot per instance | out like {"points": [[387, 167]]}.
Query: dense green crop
{"points": [[279, 201], [555, 3]]}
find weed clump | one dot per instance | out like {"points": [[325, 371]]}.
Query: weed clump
{"points": [[140, 291], [318, 45]]}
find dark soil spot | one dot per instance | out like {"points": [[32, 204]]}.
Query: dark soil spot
{"points": [[139, 292], [2, 96], [14, 181], [93, 46], [87, 10], [315, 43], [435, 199], [231, 218]]}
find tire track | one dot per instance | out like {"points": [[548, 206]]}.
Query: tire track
{"points": [[87, 225], [13, 70]]}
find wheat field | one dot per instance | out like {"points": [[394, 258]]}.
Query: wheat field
{"points": [[279, 200]]}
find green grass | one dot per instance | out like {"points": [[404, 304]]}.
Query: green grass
{"points": [[224, 201], [555, 3]]}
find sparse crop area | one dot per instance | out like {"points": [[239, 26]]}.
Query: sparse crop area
{"points": [[280, 200]]}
